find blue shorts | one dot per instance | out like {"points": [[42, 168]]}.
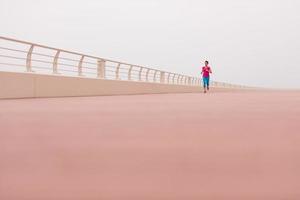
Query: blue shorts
{"points": [[205, 81]]}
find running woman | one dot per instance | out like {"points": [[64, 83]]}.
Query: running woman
{"points": [[206, 70]]}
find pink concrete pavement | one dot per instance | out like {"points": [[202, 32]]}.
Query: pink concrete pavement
{"points": [[220, 146]]}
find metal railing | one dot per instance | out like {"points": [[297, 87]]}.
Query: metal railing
{"points": [[17, 55], [38, 58]]}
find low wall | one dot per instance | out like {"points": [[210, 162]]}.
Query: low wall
{"points": [[30, 85]]}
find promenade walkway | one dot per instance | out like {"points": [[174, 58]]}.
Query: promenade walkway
{"points": [[220, 146]]}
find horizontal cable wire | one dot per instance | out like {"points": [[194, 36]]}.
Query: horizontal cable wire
{"points": [[12, 64]]}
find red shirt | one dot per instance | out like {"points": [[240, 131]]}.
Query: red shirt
{"points": [[205, 71]]}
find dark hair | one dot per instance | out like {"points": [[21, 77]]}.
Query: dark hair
{"points": [[206, 62]]}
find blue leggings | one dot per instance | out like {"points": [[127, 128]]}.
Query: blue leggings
{"points": [[205, 81]]}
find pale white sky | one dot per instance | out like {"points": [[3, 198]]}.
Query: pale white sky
{"points": [[252, 42]]}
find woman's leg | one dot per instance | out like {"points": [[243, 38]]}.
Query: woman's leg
{"points": [[204, 83], [207, 84]]}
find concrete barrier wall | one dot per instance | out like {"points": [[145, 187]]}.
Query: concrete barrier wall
{"points": [[30, 85]]}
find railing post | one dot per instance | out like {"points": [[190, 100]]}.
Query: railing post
{"points": [[129, 72], [154, 76], [80, 66], [173, 79], [147, 74], [162, 77], [55, 62], [28, 60], [168, 78], [100, 68], [118, 71], [190, 81], [181, 79], [140, 73], [178, 76]]}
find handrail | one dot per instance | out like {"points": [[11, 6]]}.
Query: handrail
{"points": [[98, 67], [67, 51]]}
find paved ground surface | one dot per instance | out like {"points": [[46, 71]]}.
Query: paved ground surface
{"points": [[220, 146]]}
